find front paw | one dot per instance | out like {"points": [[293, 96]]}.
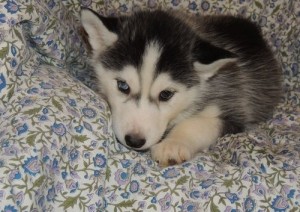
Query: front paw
{"points": [[170, 152]]}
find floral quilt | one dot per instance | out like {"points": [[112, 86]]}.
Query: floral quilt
{"points": [[57, 148]]}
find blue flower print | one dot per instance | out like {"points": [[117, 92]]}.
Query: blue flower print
{"points": [[26, 101], [5, 143], [189, 206], [10, 208], [64, 175], [255, 179], [153, 200], [291, 194], [13, 50], [249, 205], [51, 194], [99, 161], [79, 129], [205, 5], [2, 18], [22, 129], [295, 69], [260, 190], [262, 21], [46, 85], [263, 168], [19, 71], [175, 2], [165, 202], [49, 42], [92, 208], [139, 169], [11, 151], [72, 102], [170, 173], [72, 185], [19, 198], [11, 22], [41, 201], [100, 191], [12, 7], [64, 150], [33, 90], [2, 195], [74, 154], [279, 204], [141, 205], [14, 175], [2, 82], [43, 118], [232, 197], [195, 194], [45, 110], [86, 3], [121, 177], [13, 63], [97, 173], [86, 154], [134, 186], [2, 163], [31, 166], [192, 6], [59, 129], [89, 112], [207, 183], [287, 167], [125, 195], [51, 4], [125, 163], [45, 159], [200, 168], [234, 158]]}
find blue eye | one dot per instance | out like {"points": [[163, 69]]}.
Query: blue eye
{"points": [[123, 87]]}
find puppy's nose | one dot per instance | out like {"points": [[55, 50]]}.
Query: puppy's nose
{"points": [[135, 141]]}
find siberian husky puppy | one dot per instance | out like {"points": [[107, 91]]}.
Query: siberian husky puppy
{"points": [[176, 83]]}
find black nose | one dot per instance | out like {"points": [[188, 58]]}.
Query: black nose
{"points": [[135, 141]]}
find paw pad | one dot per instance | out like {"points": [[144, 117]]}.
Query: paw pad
{"points": [[172, 162]]}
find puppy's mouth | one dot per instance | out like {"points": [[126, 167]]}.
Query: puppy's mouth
{"points": [[141, 150], [165, 134]]}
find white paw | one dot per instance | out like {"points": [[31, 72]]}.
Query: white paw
{"points": [[170, 152]]}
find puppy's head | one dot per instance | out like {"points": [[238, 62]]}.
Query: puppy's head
{"points": [[152, 69]]}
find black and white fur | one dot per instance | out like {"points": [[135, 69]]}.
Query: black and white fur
{"points": [[175, 83]]}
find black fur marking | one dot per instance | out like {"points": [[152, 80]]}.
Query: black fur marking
{"points": [[111, 23], [124, 53], [206, 53], [242, 34], [231, 127], [141, 29]]}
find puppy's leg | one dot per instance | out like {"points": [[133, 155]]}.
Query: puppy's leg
{"points": [[189, 137]]}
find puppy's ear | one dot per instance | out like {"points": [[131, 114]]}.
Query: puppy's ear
{"points": [[102, 31], [209, 58]]}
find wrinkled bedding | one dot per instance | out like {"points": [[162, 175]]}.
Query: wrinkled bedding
{"points": [[58, 151]]}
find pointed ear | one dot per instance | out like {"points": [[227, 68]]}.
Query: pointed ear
{"points": [[209, 58], [102, 31]]}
